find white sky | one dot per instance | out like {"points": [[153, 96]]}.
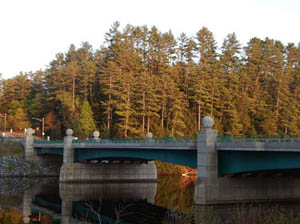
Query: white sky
{"points": [[33, 31]]}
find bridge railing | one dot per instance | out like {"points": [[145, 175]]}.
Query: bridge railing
{"points": [[122, 141], [259, 138], [137, 141], [37, 141]]}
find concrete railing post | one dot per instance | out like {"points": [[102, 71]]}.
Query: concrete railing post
{"points": [[207, 160], [149, 137], [29, 149], [68, 150], [206, 150]]}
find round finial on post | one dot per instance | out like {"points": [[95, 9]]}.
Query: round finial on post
{"points": [[69, 132], [30, 131], [207, 122], [96, 134], [149, 135]]}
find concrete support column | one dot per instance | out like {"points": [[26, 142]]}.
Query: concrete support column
{"points": [[95, 172], [66, 169], [206, 150], [207, 160], [26, 205], [68, 150], [29, 149]]}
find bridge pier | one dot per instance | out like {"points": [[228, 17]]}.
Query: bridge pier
{"points": [[89, 172], [95, 172], [207, 161]]}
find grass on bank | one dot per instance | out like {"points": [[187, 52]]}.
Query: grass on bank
{"points": [[7, 201], [9, 148]]}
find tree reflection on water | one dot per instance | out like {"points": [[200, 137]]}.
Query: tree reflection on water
{"points": [[176, 193]]}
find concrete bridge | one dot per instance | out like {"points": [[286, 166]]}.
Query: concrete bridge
{"points": [[132, 160]]}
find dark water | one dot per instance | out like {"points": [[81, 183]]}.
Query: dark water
{"points": [[100, 203], [170, 200]]}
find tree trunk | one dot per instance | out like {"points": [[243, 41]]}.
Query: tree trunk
{"points": [[163, 105], [148, 124], [199, 117], [144, 109], [127, 114], [109, 110], [73, 95], [278, 100]]}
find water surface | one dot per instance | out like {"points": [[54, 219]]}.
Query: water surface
{"points": [[170, 200]]}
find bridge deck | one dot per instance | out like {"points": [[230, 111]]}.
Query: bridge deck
{"points": [[233, 157]]}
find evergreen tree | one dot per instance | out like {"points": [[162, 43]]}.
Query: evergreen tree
{"points": [[230, 96], [87, 123], [142, 80], [253, 102]]}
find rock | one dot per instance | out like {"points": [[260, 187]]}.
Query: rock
{"points": [[17, 167]]}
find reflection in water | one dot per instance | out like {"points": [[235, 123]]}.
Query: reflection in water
{"points": [[168, 201], [267, 213], [176, 193], [110, 203]]}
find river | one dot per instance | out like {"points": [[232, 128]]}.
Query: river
{"points": [[170, 200]]}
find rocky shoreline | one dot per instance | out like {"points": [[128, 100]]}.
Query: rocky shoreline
{"points": [[13, 166]]}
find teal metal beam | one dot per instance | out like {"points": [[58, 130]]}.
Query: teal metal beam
{"points": [[182, 157], [233, 162], [49, 151]]}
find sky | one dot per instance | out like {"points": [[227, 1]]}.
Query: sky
{"points": [[32, 32]]}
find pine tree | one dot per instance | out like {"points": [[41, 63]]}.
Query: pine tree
{"points": [[109, 73], [87, 123], [204, 81], [253, 102], [230, 76]]}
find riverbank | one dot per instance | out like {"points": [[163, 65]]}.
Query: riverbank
{"points": [[13, 164], [9, 148]]}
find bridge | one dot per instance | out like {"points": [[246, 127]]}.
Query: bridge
{"points": [[132, 160]]}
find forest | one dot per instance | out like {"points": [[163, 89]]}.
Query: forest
{"points": [[142, 80]]}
